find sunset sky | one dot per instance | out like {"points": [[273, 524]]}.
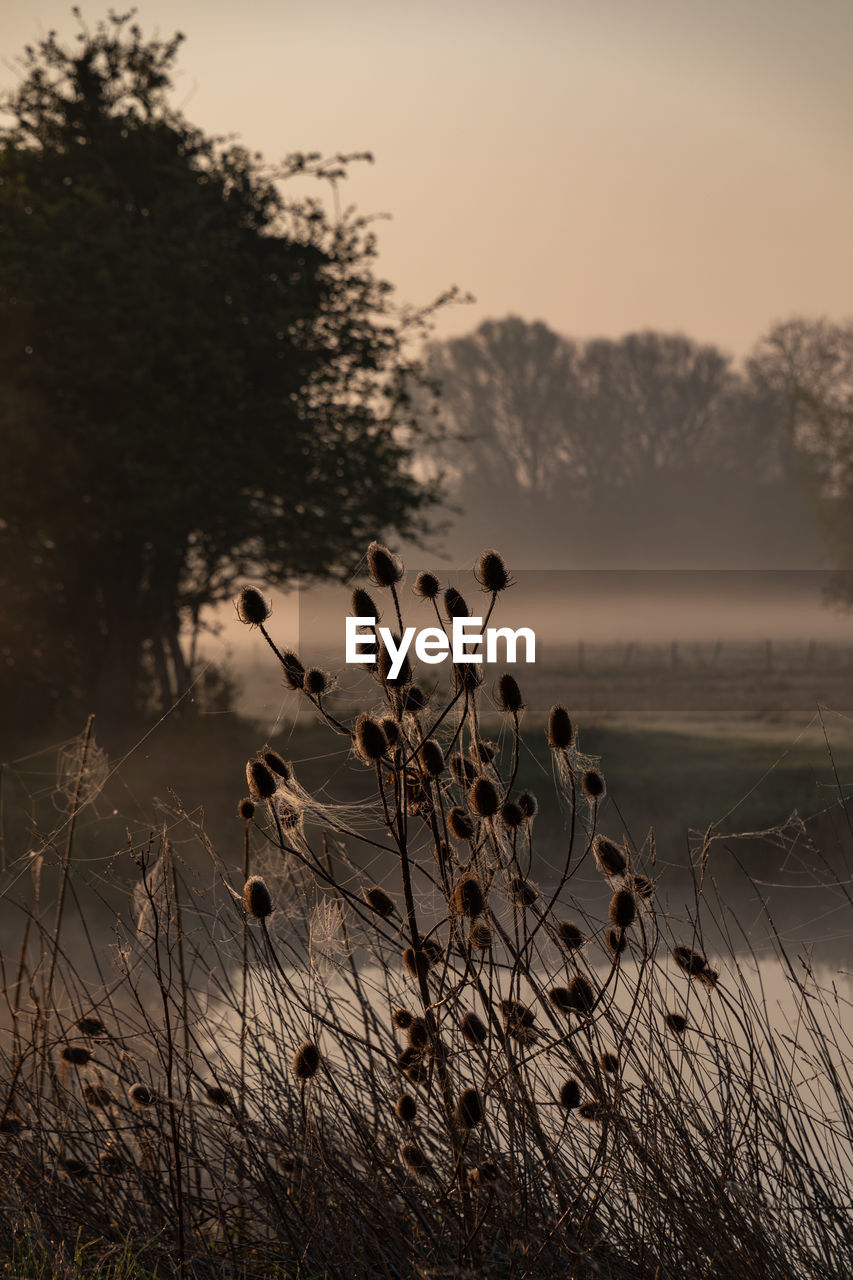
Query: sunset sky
{"points": [[603, 167]]}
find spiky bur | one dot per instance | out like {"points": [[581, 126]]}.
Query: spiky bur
{"points": [[433, 950], [370, 741], [474, 1029], [76, 1055], [217, 1096], [643, 887], [292, 669], [484, 1175], [581, 994], [570, 1095], [518, 1019], [141, 1095], [623, 909], [252, 608], [95, 1095], [560, 731], [676, 1022], [609, 858], [454, 604], [427, 585], [415, 1160], [408, 1058], [417, 1033], [593, 785], [306, 1061], [406, 1109], [74, 1168], [467, 898], [695, 965], [484, 752], [528, 804], [561, 999], [483, 797], [469, 1109], [480, 937], [511, 815], [363, 605], [262, 784], [246, 809], [256, 898], [461, 826], [391, 729], [385, 569], [402, 1018], [464, 770], [90, 1026], [595, 1112], [615, 941], [431, 757], [570, 935], [316, 681], [415, 700], [509, 694], [416, 963], [610, 1063], [491, 572], [379, 901], [277, 764], [522, 891]]}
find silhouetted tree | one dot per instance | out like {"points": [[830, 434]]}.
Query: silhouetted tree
{"points": [[199, 376]]}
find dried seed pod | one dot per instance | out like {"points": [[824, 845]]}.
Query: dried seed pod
{"points": [[416, 963], [262, 785], [414, 700], [91, 1026], [560, 730], [415, 1160], [511, 815], [433, 950], [464, 770], [427, 585], [593, 784], [484, 752], [468, 899], [379, 901], [306, 1060], [561, 999], [483, 797], [615, 941], [432, 758], [406, 1109], [316, 680], [509, 694], [485, 1174], [369, 739], [277, 764], [246, 809], [76, 1054], [111, 1163], [570, 935], [256, 898], [418, 1072], [676, 1023], [141, 1095], [689, 961], [609, 1062], [401, 1018], [491, 572], [216, 1096], [454, 604], [460, 824], [474, 1029], [384, 663], [643, 886], [518, 1018], [363, 605], [408, 1058], [385, 569], [708, 977], [480, 937], [522, 891], [418, 1033], [95, 1095], [593, 1111], [610, 859], [581, 994], [294, 672], [75, 1168], [570, 1095], [623, 909], [252, 608], [528, 804], [469, 1109]]}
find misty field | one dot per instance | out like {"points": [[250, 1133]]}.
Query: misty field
{"points": [[459, 986]]}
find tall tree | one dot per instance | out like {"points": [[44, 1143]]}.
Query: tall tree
{"points": [[199, 378]]}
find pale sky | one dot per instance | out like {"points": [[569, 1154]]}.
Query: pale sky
{"points": [[602, 165]]}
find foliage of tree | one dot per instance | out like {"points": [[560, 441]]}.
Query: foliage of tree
{"points": [[197, 375]]}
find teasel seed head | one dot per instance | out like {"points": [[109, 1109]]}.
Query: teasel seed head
{"points": [[491, 572], [528, 804], [570, 1095], [262, 785], [363, 605], [384, 663], [461, 826], [454, 604], [427, 585], [316, 681], [560, 731], [74, 1168], [480, 937], [463, 769], [609, 1062], [593, 1111], [91, 1026], [581, 994], [256, 898], [432, 758], [141, 1095], [385, 569], [690, 962], [416, 963], [643, 886], [406, 1109], [615, 941], [469, 1109], [391, 729], [402, 1018], [246, 809], [306, 1060], [485, 1174], [483, 797], [76, 1055], [474, 1029], [379, 901], [415, 1160], [408, 1058], [415, 700], [370, 741], [511, 815], [252, 608], [418, 1072], [95, 1095], [623, 909], [593, 784], [417, 1033], [468, 899], [523, 892], [485, 752], [294, 672], [609, 858], [216, 1096], [676, 1022], [277, 764], [433, 950], [509, 694], [561, 999], [570, 935], [516, 1015]]}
